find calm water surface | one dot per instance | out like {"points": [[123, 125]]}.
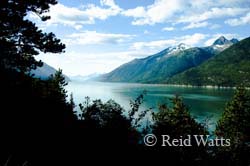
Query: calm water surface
{"points": [[203, 102]]}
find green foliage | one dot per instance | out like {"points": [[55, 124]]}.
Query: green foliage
{"points": [[229, 68], [107, 124], [136, 104], [176, 121], [103, 115], [34, 113], [111, 115], [160, 67], [58, 83], [235, 121], [71, 101], [235, 125], [20, 39]]}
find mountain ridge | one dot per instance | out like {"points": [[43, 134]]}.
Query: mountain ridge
{"points": [[229, 68], [45, 72], [159, 67]]}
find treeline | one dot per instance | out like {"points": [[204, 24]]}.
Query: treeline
{"points": [[127, 130]]}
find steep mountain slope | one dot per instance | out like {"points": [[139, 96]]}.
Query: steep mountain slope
{"points": [[222, 43], [45, 71], [160, 67], [229, 68], [139, 70]]}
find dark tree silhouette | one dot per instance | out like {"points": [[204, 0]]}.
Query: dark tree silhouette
{"points": [[21, 39], [34, 112], [177, 122], [235, 125], [107, 123]]}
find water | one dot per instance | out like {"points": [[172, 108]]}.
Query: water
{"points": [[203, 102]]}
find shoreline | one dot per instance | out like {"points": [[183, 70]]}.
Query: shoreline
{"points": [[177, 85], [203, 86]]}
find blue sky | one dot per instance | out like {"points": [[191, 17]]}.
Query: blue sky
{"points": [[100, 35]]}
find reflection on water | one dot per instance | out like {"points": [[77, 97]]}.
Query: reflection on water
{"points": [[202, 102]]}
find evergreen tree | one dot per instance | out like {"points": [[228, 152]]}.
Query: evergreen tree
{"points": [[33, 112], [58, 83], [235, 125], [20, 39], [106, 122], [177, 123]]}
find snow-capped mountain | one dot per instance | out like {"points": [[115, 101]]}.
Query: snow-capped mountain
{"points": [[167, 63], [222, 43], [178, 48]]}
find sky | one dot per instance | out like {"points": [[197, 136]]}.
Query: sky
{"points": [[101, 35]]}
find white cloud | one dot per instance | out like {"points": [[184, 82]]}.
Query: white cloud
{"points": [[136, 12], [110, 3], [201, 6], [193, 25], [93, 37], [157, 45], [96, 12], [214, 26], [69, 16], [78, 27], [153, 44], [182, 11], [158, 12], [192, 40], [245, 3], [74, 63], [211, 14], [77, 17], [239, 21], [168, 29], [195, 12], [212, 38]]}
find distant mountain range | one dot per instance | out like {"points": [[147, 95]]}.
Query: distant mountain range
{"points": [[45, 71], [231, 67], [89, 77], [161, 67]]}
